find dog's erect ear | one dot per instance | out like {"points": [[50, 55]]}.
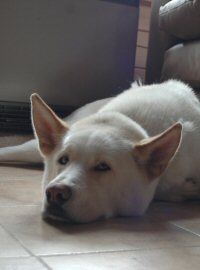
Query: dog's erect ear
{"points": [[49, 128], [154, 154]]}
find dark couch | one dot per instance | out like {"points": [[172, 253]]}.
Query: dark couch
{"points": [[174, 45]]}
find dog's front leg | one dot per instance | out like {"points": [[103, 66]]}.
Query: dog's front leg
{"points": [[26, 152]]}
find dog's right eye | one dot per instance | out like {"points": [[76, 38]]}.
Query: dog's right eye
{"points": [[63, 160]]}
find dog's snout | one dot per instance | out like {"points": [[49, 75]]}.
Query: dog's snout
{"points": [[58, 194]]}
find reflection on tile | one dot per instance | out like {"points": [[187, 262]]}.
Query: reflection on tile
{"points": [[99, 261], [20, 186], [169, 212], [42, 238], [162, 259], [191, 225], [9, 247], [19, 214], [21, 264], [17, 172], [20, 192], [162, 239], [169, 259]]}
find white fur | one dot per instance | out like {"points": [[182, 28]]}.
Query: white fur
{"points": [[107, 131]]}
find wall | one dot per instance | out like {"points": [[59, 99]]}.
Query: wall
{"points": [[69, 51]]}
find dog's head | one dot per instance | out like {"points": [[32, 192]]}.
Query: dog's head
{"points": [[102, 166]]}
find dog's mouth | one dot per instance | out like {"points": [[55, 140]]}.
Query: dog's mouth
{"points": [[55, 212]]}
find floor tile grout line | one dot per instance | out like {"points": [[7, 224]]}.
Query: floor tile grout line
{"points": [[25, 248], [185, 229], [27, 257], [41, 256], [116, 251], [18, 241], [43, 263]]}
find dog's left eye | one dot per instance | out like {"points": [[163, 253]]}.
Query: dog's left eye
{"points": [[63, 160], [102, 167]]}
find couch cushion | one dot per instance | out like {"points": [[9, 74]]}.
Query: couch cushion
{"points": [[181, 18], [182, 61]]}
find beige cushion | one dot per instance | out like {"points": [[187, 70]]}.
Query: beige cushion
{"points": [[181, 18], [182, 61]]}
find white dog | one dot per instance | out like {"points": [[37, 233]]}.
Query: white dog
{"points": [[114, 156]]}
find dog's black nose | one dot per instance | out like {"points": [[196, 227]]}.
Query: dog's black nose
{"points": [[58, 194]]}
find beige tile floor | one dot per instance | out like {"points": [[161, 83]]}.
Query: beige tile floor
{"points": [[167, 237]]}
